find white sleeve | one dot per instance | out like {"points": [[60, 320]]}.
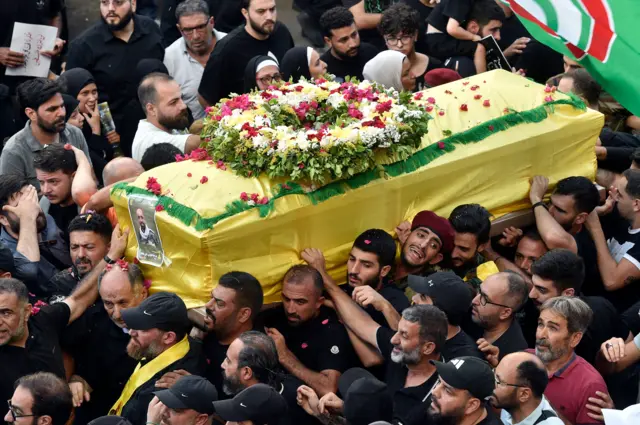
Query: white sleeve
{"points": [[142, 142]]}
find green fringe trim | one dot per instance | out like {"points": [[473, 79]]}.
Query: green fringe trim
{"points": [[423, 157]]}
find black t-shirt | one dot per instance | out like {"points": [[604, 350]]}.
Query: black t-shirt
{"points": [[511, 341], [215, 354], [460, 345], [351, 67], [491, 419], [320, 344], [456, 9], [371, 6], [631, 318], [410, 404], [99, 349], [63, 216], [587, 250], [224, 73], [606, 324], [136, 408], [42, 352], [424, 12], [391, 293]]}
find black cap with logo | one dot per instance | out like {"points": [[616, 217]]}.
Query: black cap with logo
{"points": [[259, 404], [366, 399], [190, 392], [448, 292], [162, 310], [468, 373]]}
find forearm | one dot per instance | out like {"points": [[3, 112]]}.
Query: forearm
{"points": [[320, 383], [552, 234], [503, 264], [368, 355], [28, 240], [83, 185], [606, 263], [365, 21], [391, 315], [480, 60], [455, 30], [85, 293]]}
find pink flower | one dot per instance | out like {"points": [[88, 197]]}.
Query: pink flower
{"points": [[486, 103], [189, 175], [418, 96], [254, 197], [440, 145], [383, 107], [220, 165], [207, 110], [464, 83], [286, 186], [301, 166], [263, 201], [204, 179], [199, 154], [124, 266], [429, 108], [548, 99], [304, 345], [159, 208], [325, 321], [441, 113], [431, 100], [153, 186], [474, 88], [354, 112], [244, 196], [547, 89], [367, 241], [477, 97], [464, 107]]}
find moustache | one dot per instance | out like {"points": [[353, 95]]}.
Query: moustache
{"points": [[542, 343], [294, 316], [210, 315], [83, 260], [353, 276]]}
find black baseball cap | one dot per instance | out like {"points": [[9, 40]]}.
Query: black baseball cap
{"points": [[161, 310], [259, 404], [6, 260], [468, 373], [448, 292], [110, 420], [190, 392], [366, 399]]}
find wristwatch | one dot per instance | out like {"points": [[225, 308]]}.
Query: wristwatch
{"points": [[538, 204], [108, 260]]}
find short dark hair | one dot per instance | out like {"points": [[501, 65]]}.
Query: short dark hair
{"points": [[334, 18], [584, 85], [532, 375], [472, 218], [399, 18], [10, 184], [55, 157], [147, 89], [91, 222], [10, 285], [248, 290], [635, 156], [378, 242], [51, 396], [561, 266], [633, 182], [583, 191], [160, 154], [192, 7], [36, 91], [485, 11], [533, 234], [432, 321], [518, 290], [298, 273], [260, 354]]}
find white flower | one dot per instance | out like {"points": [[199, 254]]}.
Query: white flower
{"points": [[335, 100], [260, 141], [252, 203]]}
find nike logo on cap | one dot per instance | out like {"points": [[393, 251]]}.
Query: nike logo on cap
{"points": [[183, 395], [242, 404], [145, 312]]}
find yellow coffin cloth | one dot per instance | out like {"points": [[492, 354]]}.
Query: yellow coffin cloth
{"points": [[494, 172], [142, 374]]}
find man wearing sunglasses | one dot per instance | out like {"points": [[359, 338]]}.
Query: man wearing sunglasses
{"points": [[521, 379], [40, 399], [493, 311]]}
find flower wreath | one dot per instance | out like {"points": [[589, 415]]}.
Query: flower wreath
{"points": [[313, 132]]}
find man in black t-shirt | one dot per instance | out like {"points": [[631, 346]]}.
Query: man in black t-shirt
{"points": [[561, 224], [261, 35], [235, 302], [367, 15], [494, 309], [459, 397], [312, 344], [370, 261], [453, 296], [347, 55], [618, 246]]}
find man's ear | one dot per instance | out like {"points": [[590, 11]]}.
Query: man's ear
{"points": [[435, 260], [575, 339], [327, 41], [212, 21], [245, 13], [151, 109], [385, 271], [44, 420], [581, 218], [244, 315], [31, 114], [428, 348], [569, 292], [134, 5], [473, 27]]}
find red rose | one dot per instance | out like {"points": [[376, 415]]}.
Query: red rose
{"points": [[189, 174], [490, 128], [418, 96], [204, 179], [464, 107], [301, 166], [441, 113], [477, 97], [244, 196], [440, 145], [474, 88], [254, 197], [431, 100], [429, 108], [486, 103], [159, 208]]}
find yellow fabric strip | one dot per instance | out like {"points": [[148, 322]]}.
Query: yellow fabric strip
{"points": [[143, 373]]}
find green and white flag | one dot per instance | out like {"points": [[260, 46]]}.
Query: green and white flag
{"points": [[602, 35]]}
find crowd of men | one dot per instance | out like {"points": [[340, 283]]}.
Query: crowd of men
{"points": [[437, 323]]}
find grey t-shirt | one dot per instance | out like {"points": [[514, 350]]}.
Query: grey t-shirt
{"points": [[17, 155]]}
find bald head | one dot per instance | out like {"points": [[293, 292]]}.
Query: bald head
{"points": [[525, 369], [119, 169]]}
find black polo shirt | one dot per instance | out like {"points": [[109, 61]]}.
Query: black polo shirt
{"points": [[214, 353], [391, 293], [136, 408], [410, 404], [224, 72], [112, 62], [511, 341], [42, 352], [320, 344], [459, 346], [350, 67], [99, 349]]}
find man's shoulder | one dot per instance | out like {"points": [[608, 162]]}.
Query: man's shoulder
{"points": [[146, 23], [174, 50], [90, 34], [74, 134], [281, 30], [582, 371], [368, 51], [13, 144]]}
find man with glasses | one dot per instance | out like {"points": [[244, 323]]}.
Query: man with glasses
{"points": [[261, 35], [187, 56], [493, 310], [521, 379], [111, 49], [41, 398]]}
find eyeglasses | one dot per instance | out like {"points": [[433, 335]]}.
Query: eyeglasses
{"points": [[405, 39], [15, 415], [190, 31], [268, 79], [484, 300], [499, 382]]}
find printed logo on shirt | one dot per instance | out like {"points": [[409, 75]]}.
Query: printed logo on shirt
{"points": [[335, 349], [618, 251]]}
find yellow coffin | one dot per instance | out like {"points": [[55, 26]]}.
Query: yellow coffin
{"points": [[490, 150]]}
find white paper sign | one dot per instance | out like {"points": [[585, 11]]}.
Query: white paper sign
{"points": [[29, 40]]}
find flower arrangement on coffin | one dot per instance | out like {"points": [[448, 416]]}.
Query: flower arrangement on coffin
{"points": [[313, 132]]}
